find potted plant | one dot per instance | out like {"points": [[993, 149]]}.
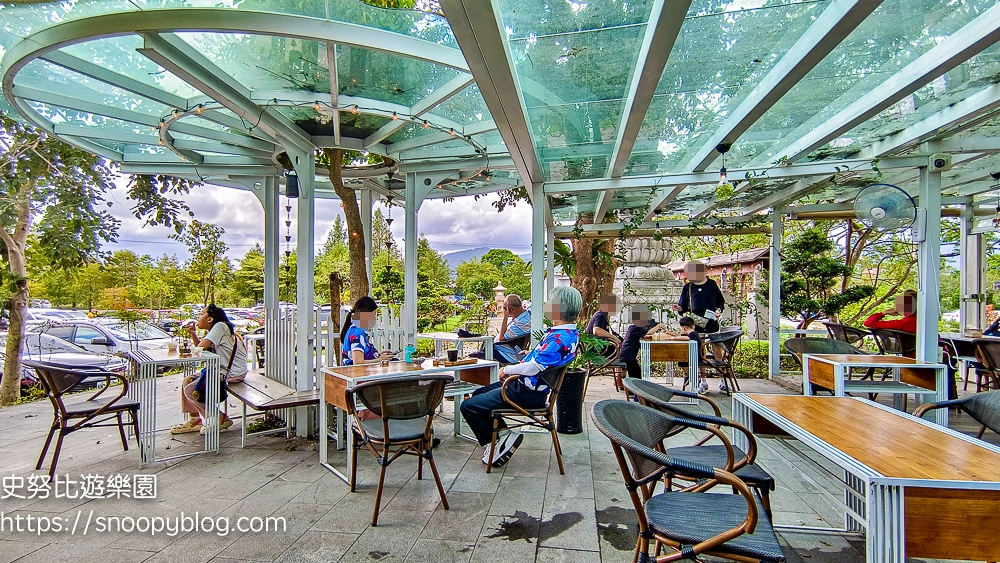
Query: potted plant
{"points": [[569, 405]]}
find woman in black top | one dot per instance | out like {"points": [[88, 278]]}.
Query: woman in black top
{"points": [[701, 296]]}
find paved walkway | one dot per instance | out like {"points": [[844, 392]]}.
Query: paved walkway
{"points": [[525, 512]]}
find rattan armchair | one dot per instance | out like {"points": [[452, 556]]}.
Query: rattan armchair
{"points": [[846, 333], [897, 342], [406, 408], [658, 397], [515, 343], [722, 364], [607, 364], [983, 407], [988, 356], [516, 416], [689, 522], [798, 347], [57, 380]]}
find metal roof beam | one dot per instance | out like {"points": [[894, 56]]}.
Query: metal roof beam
{"points": [[665, 20], [977, 35], [188, 170], [104, 134], [662, 197], [175, 55], [791, 171], [802, 188], [115, 79], [221, 148], [958, 146], [441, 137], [442, 94], [480, 34], [983, 101], [831, 27]]}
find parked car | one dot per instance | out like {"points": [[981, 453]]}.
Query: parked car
{"points": [[47, 348], [106, 335]]}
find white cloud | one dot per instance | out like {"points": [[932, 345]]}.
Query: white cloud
{"points": [[455, 225]]}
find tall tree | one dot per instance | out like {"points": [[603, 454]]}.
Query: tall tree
{"points": [[248, 279], [355, 238], [56, 191], [431, 266], [337, 234], [208, 260]]}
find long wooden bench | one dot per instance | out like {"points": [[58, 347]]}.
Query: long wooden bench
{"points": [[264, 394]]}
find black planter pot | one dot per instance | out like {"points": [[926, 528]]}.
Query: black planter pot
{"points": [[569, 405]]}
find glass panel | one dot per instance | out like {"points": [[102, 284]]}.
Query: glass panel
{"points": [[58, 115], [465, 108], [48, 77], [527, 19], [896, 34], [360, 125], [261, 62], [118, 54], [961, 82], [723, 50], [387, 77], [637, 201], [576, 140], [693, 197], [567, 208]]}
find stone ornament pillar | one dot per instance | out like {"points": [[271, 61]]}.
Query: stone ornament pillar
{"points": [[644, 280]]}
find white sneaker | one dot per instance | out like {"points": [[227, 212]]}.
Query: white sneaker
{"points": [[723, 388], [510, 446], [702, 387], [500, 449]]}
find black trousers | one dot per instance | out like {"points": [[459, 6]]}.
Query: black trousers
{"points": [[478, 409], [633, 368]]}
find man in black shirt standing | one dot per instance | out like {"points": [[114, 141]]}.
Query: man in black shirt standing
{"points": [[600, 324]]}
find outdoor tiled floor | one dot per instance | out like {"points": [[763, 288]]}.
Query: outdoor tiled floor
{"points": [[523, 512]]}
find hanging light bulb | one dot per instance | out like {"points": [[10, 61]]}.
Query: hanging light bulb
{"points": [[996, 184], [723, 148], [317, 107], [394, 116], [354, 110], [426, 125], [199, 107]]}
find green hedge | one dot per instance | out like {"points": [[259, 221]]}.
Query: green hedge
{"points": [[750, 360]]}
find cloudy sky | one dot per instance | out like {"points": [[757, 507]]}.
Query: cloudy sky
{"points": [[458, 225]]}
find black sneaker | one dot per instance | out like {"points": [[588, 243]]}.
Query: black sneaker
{"points": [[510, 446]]}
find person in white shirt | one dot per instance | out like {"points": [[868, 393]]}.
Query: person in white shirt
{"points": [[223, 340]]}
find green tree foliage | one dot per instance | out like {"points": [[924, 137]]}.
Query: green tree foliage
{"points": [[513, 271], [475, 278], [811, 279], [208, 264], [431, 265], [248, 278]]}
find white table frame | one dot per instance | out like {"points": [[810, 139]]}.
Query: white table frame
{"points": [[872, 502], [645, 354], [345, 422], [898, 389], [142, 388]]}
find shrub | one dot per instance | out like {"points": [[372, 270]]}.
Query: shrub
{"points": [[750, 360]]}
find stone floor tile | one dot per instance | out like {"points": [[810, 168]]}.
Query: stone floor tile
{"points": [[557, 555], [318, 547], [463, 522], [525, 494], [569, 523], [437, 551]]}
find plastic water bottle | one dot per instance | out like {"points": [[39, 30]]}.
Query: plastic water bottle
{"points": [[410, 349]]}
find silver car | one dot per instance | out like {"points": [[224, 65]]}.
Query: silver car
{"points": [[106, 335], [46, 348]]}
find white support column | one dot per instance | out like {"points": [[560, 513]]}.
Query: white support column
{"points": [[305, 167], [972, 270], [410, 260], [774, 296], [537, 258], [366, 226], [928, 265], [550, 262], [269, 199]]}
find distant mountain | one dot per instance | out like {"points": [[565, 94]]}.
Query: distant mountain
{"points": [[455, 258]]}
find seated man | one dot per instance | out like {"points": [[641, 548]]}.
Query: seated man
{"points": [[642, 325], [600, 324], [906, 307], [557, 348], [516, 322]]}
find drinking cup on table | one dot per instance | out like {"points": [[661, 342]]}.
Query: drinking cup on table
{"points": [[453, 355]]}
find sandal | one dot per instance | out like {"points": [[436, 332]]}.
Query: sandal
{"points": [[223, 424], [192, 425]]}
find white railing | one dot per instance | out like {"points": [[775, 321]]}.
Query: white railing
{"points": [[279, 345], [388, 333]]}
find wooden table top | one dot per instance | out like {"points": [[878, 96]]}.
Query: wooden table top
{"points": [[867, 359], [964, 337], [452, 337], [368, 370], [889, 442]]}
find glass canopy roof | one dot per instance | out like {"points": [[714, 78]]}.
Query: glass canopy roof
{"points": [[624, 102]]}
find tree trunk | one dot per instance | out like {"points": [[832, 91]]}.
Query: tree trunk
{"points": [[335, 287], [592, 278], [355, 230], [10, 384]]}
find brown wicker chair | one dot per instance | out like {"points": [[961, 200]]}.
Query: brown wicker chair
{"points": [[726, 342], [988, 355], [609, 364], [983, 407], [406, 408], [516, 416], [658, 397], [898, 342], [691, 522], [845, 333], [57, 380]]}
